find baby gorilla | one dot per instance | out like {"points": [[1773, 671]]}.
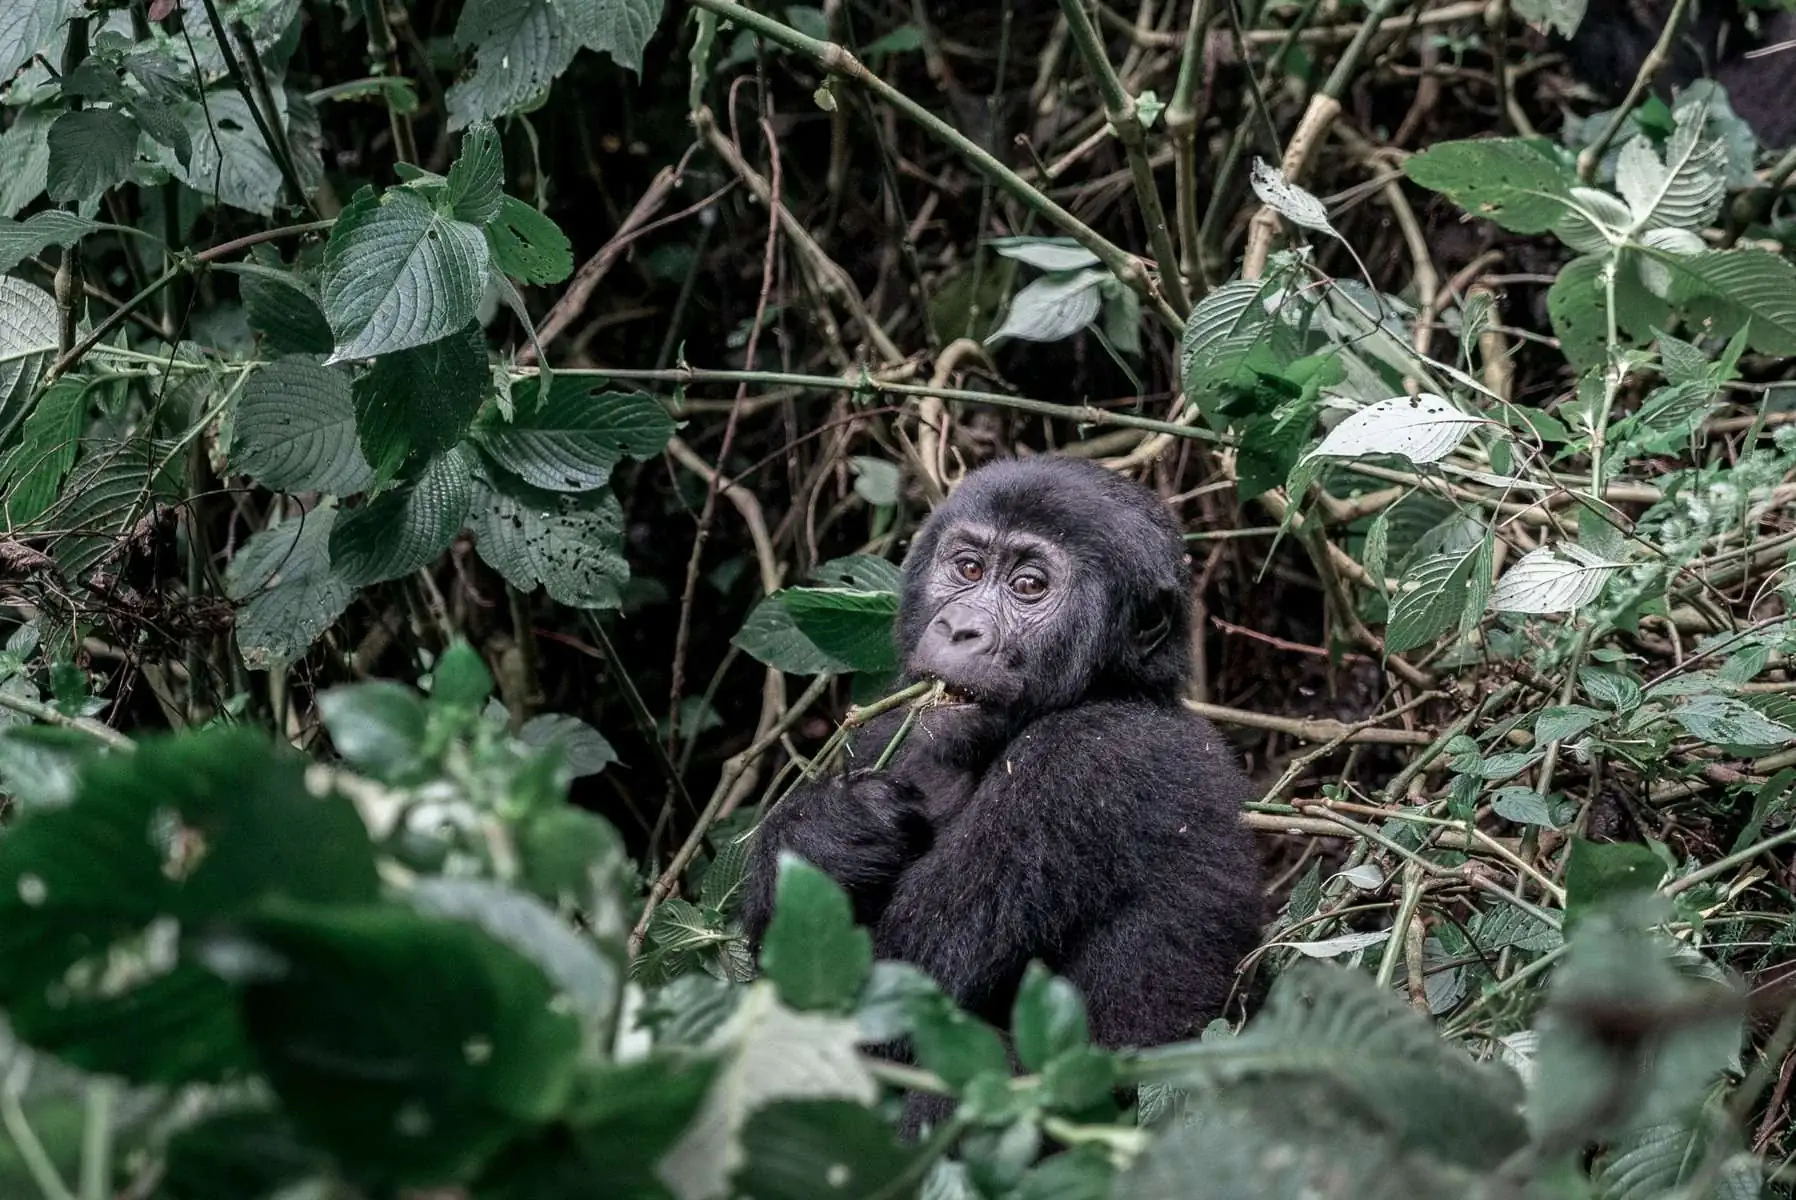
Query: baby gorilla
{"points": [[1062, 804]]}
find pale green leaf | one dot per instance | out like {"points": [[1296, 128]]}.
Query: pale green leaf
{"points": [[519, 46], [28, 340], [1560, 578], [28, 27], [1053, 307], [19, 240], [1723, 290], [1432, 597], [1515, 182], [1045, 254], [25, 157]]}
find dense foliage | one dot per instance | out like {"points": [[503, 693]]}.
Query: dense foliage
{"points": [[434, 438]]}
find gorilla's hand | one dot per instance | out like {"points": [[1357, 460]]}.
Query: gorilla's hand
{"points": [[862, 829]]}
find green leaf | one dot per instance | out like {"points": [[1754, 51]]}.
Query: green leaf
{"points": [[570, 440], [477, 177], [283, 308], [30, 26], [528, 246], [570, 545], [851, 627], [521, 46], [955, 1045], [289, 595], [813, 952], [1220, 332], [1363, 1052], [294, 430], [1723, 291], [1436, 594], [398, 274], [875, 480], [19, 240], [1516, 182], [1048, 1019], [771, 636], [1560, 724], [810, 1149], [1524, 806], [383, 1022], [1725, 721], [377, 727], [1271, 445], [230, 162], [31, 474], [404, 530], [180, 835], [618, 28], [461, 677], [113, 486], [91, 152], [1599, 871], [414, 404], [861, 572], [25, 156], [28, 333], [584, 749], [1682, 191], [1577, 305], [1618, 692], [242, 1152]]}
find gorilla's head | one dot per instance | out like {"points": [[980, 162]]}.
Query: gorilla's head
{"points": [[1043, 583]]}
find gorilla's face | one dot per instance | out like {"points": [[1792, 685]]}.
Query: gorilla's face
{"points": [[1041, 584], [998, 602]]}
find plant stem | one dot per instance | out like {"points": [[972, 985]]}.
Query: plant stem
{"points": [[838, 60], [49, 715], [1656, 58], [1125, 121], [1183, 118], [265, 122]]}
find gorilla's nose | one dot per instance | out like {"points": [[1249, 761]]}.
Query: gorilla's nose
{"points": [[962, 630]]}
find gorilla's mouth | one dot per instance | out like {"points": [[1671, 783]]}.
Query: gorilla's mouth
{"points": [[953, 696]]}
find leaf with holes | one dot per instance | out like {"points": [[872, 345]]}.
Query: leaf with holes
{"points": [[230, 162], [572, 546], [294, 430], [1725, 721], [405, 529], [288, 593], [1552, 579], [1423, 429], [528, 246], [414, 404], [477, 177], [398, 274], [1516, 182], [19, 240], [1053, 307], [570, 441], [27, 341], [1288, 200], [519, 48]]}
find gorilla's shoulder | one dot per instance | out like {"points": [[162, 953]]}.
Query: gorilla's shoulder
{"points": [[1166, 750]]}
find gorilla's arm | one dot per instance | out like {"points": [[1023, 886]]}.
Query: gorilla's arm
{"points": [[1046, 846], [861, 829]]}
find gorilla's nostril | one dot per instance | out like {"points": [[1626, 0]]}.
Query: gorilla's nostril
{"points": [[963, 634]]}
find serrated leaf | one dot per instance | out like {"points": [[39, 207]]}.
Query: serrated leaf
{"points": [[230, 162], [619, 28], [477, 177], [1053, 307], [1725, 721], [283, 308], [1433, 596], [1222, 328], [769, 635], [91, 152], [289, 595], [294, 430], [1577, 305], [1560, 578], [812, 1149], [398, 274], [1514, 182], [527, 245], [1597, 223], [404, 530], [25, 156], [1045, 254], [28, 333], [1423, 429], [519, 47], [774, 1054], [19, 240], [569, 545], [1524, 806], [813, 952], [414, 404], [27, 27], [861, 572], [570, 441], [113, 486], [1722, 291], [1560, 723], [1682, 192], [1288, 200], [1606, 687], [852, 627], [31, 473]]}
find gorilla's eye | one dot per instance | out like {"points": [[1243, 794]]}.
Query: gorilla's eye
{"points": [[969, 568], [1029, 585]]}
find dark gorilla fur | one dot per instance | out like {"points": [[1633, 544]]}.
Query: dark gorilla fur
{"points": [[1073, 810]]}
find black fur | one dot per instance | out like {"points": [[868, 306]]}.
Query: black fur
{"points": [[1076, 812]]}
